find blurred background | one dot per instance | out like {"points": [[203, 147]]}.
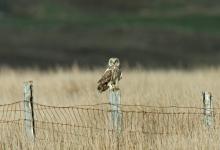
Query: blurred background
{"points": [[149, 33]]}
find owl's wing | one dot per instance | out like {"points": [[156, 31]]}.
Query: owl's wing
{"points": [[117, 74], [103, 82], [106, 77], [120, 76]]}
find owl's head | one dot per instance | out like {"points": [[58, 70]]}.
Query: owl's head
{"points": [[113, 62]]}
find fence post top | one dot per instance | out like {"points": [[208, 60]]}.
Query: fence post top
{"points": [[28, 82], [206, 93]]}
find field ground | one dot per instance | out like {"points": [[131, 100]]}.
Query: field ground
{"points": [[148, 87], [65, 87]]}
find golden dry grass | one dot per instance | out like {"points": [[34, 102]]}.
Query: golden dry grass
{"points": [[65, 87], [74, 86]]}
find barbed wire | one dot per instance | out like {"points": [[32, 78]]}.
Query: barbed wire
{"points": [[86, 124]]}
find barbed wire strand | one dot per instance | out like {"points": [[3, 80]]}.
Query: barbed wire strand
{"points": [[86, 125]]}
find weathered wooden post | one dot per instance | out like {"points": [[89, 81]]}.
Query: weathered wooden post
{"points": [[28, 111], [115, 101], [208, 109]]}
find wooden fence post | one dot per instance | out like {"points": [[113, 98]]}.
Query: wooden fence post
{"points": [[115, 101], [208, 108], [28, 111]]}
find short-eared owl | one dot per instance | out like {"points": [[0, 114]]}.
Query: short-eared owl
{"points": [[111, 76]]}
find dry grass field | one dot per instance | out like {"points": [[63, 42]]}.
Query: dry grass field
{"points": [[69, 87], [64, 87]]}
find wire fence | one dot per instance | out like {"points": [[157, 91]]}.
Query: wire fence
{"points": [[91, 126]]}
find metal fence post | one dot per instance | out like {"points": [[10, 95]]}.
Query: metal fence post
{"points": [[28, 111], [115, 101], [208, 109]]}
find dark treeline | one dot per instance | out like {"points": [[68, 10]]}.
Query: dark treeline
{"points": [[32, 7], [149, 33]]}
